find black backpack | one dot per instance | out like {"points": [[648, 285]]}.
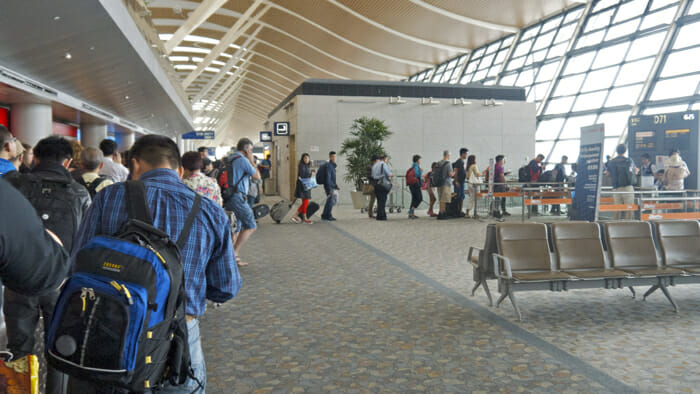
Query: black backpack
{"points": [[436, 177], [321, 174], [92, 186], [53, 199], [624, 176], [225, 180], [547, 176], [524, 174], [120, 318]]}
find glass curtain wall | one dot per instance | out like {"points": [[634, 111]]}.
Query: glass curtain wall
{"points": [[600, 76]]}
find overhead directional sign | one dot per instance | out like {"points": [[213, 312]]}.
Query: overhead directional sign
{"points": [[265, 136], [199, 135], [282, 129]]}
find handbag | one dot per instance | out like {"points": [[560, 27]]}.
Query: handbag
{"points": [[367, 189], [308, 183], [385, 182]]}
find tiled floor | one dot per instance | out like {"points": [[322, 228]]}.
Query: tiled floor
{"points": [[359, 305]]}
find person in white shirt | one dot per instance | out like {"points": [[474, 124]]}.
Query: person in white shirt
{"points": [[112, 167]]}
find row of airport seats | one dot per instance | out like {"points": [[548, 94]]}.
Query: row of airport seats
{"points": [[583, 255]]}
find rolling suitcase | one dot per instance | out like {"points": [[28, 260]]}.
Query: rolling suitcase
{"points": [[312, 209], [280, 210], [260, 211]]}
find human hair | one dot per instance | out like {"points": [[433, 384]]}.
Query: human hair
{"points": [[301, 160], [27, 147], [541, 156], [382, 156], [471, 160], [156, 151], [91, 158], [205, 162], [374, 158], [108, 147], [621, 149], [331, 153], [192, 161], [77, 151], [242, 143], [463, 151], [434, 165], [202, 149], [646, 156], [53, 149], [416, 158], [565, 158], [499, 158], [5, 136], [674, 150], [445, 153]]}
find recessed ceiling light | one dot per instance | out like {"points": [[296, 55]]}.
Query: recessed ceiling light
{"points": [[126, 97], [56, 17], [92, 48], [68, 56]]}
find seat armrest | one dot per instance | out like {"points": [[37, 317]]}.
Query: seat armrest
{"points": [[499, 260], [472, 249]]}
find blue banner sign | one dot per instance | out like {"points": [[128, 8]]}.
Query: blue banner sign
{"points": [[199, 135], [265, 136], [590, 173]]}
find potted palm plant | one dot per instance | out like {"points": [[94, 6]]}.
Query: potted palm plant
{"points": [[367, 136]]}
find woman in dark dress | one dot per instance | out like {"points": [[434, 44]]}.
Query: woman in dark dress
{"points": [[303, 171]]}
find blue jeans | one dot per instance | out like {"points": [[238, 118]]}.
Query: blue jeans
{"points": [[459, 189], [245, 219], [198, 366], [329, 205]]}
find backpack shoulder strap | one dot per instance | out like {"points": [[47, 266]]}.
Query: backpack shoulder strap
{"points": [[92, 188], [136, 202], [185, 233]]}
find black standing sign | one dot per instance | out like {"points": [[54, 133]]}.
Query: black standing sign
{"points": [[658, 134]]}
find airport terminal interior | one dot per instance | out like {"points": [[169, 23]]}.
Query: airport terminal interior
{"points": [[432, 196]]}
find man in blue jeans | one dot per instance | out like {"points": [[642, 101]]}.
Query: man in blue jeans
{"points": [[207, 257], [330, 186], [242, 170]]}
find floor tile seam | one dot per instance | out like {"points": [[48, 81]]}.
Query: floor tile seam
{"points": [[576, 364]]}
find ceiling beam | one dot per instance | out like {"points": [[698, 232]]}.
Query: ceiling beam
{"points": [[465, 19], [267, 87], [279, 63], [229, 38], [341, 38], [272, 100], [286, 52], [396, 32], [229, 64], [270, 80], [199, 16]]}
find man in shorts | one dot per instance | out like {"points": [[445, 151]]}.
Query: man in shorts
{"points": [[242, 170]]}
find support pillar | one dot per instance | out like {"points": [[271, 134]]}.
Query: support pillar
{"points": [[92, 134], [31, 122], [125, 140]]}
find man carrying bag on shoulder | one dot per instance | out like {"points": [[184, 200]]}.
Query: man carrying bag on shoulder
{"points": [[382, 178]]}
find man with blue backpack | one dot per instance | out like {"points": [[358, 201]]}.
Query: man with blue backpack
{"points": [[130, 268]]}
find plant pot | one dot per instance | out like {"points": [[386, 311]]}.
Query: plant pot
{"points": [[359, 200]]}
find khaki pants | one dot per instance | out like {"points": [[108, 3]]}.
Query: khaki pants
{"points": [[444, 196], [624, 199]]}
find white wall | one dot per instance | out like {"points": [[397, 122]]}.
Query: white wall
{"points": [[427, 130]]}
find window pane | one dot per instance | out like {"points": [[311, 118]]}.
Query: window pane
{"points": [[493, 71], [590, 101], [479, 75], [610, 55], [694, 8], [543, 147], [531, 32], [624, 96], [547, 72], [598, 21], [646, 46], [486, 62], [526, 78], [675, 87], [696, 106], [630, 10], [634, 72], [615, 122], [688, 35], [466, 78], [537, 92], [543, 41], [622, 29], [574, 15], [579, 63], [681, 62], [569, 85], [609, 145], [557, 50], [523, 48], [493, 47], [602, 4], [572, 128], [663, 17], [569, 148], [661, 3], [516, 63], [501, 56], [590, 39], [559, 105], [509, 80], [565, 33], [549, 129], [599, 79], [665, 109], [551, 24]]}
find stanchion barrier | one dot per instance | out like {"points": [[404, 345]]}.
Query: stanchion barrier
{"points": [[657, 207], [553, 194]]}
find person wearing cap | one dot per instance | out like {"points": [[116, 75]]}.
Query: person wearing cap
{"points": [[675, 172]]}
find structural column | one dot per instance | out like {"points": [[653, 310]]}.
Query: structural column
{"points": [[125, 140], [31, 122], [92, 134]]}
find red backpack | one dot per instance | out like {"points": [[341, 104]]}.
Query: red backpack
{"points": [[411, 177]]}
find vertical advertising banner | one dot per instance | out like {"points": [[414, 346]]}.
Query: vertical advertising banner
{"points": [[590, 173]]}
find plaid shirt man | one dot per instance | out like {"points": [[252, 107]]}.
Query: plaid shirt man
{"points": [[208, 258]]}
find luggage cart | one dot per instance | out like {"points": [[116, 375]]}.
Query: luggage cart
{"points": [[397, 191]]}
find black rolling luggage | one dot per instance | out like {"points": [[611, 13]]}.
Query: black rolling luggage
{"points": [[280, 210]]}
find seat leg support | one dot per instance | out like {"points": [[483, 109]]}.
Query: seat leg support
{"points": [[651, 290], [488, 292], [668, 295], [634, 293], [515, 305]]}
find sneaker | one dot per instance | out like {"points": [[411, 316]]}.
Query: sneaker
{"points": [[506, 213], [296, 220], [442, 216], [308, 222], [332, 219]]}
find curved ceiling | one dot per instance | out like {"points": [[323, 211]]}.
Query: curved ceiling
{"points": [[238, 59]]}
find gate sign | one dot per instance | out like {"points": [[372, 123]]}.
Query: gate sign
{"points": [[590, 173], [199, 135], [282, 129], [265, 136]]}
